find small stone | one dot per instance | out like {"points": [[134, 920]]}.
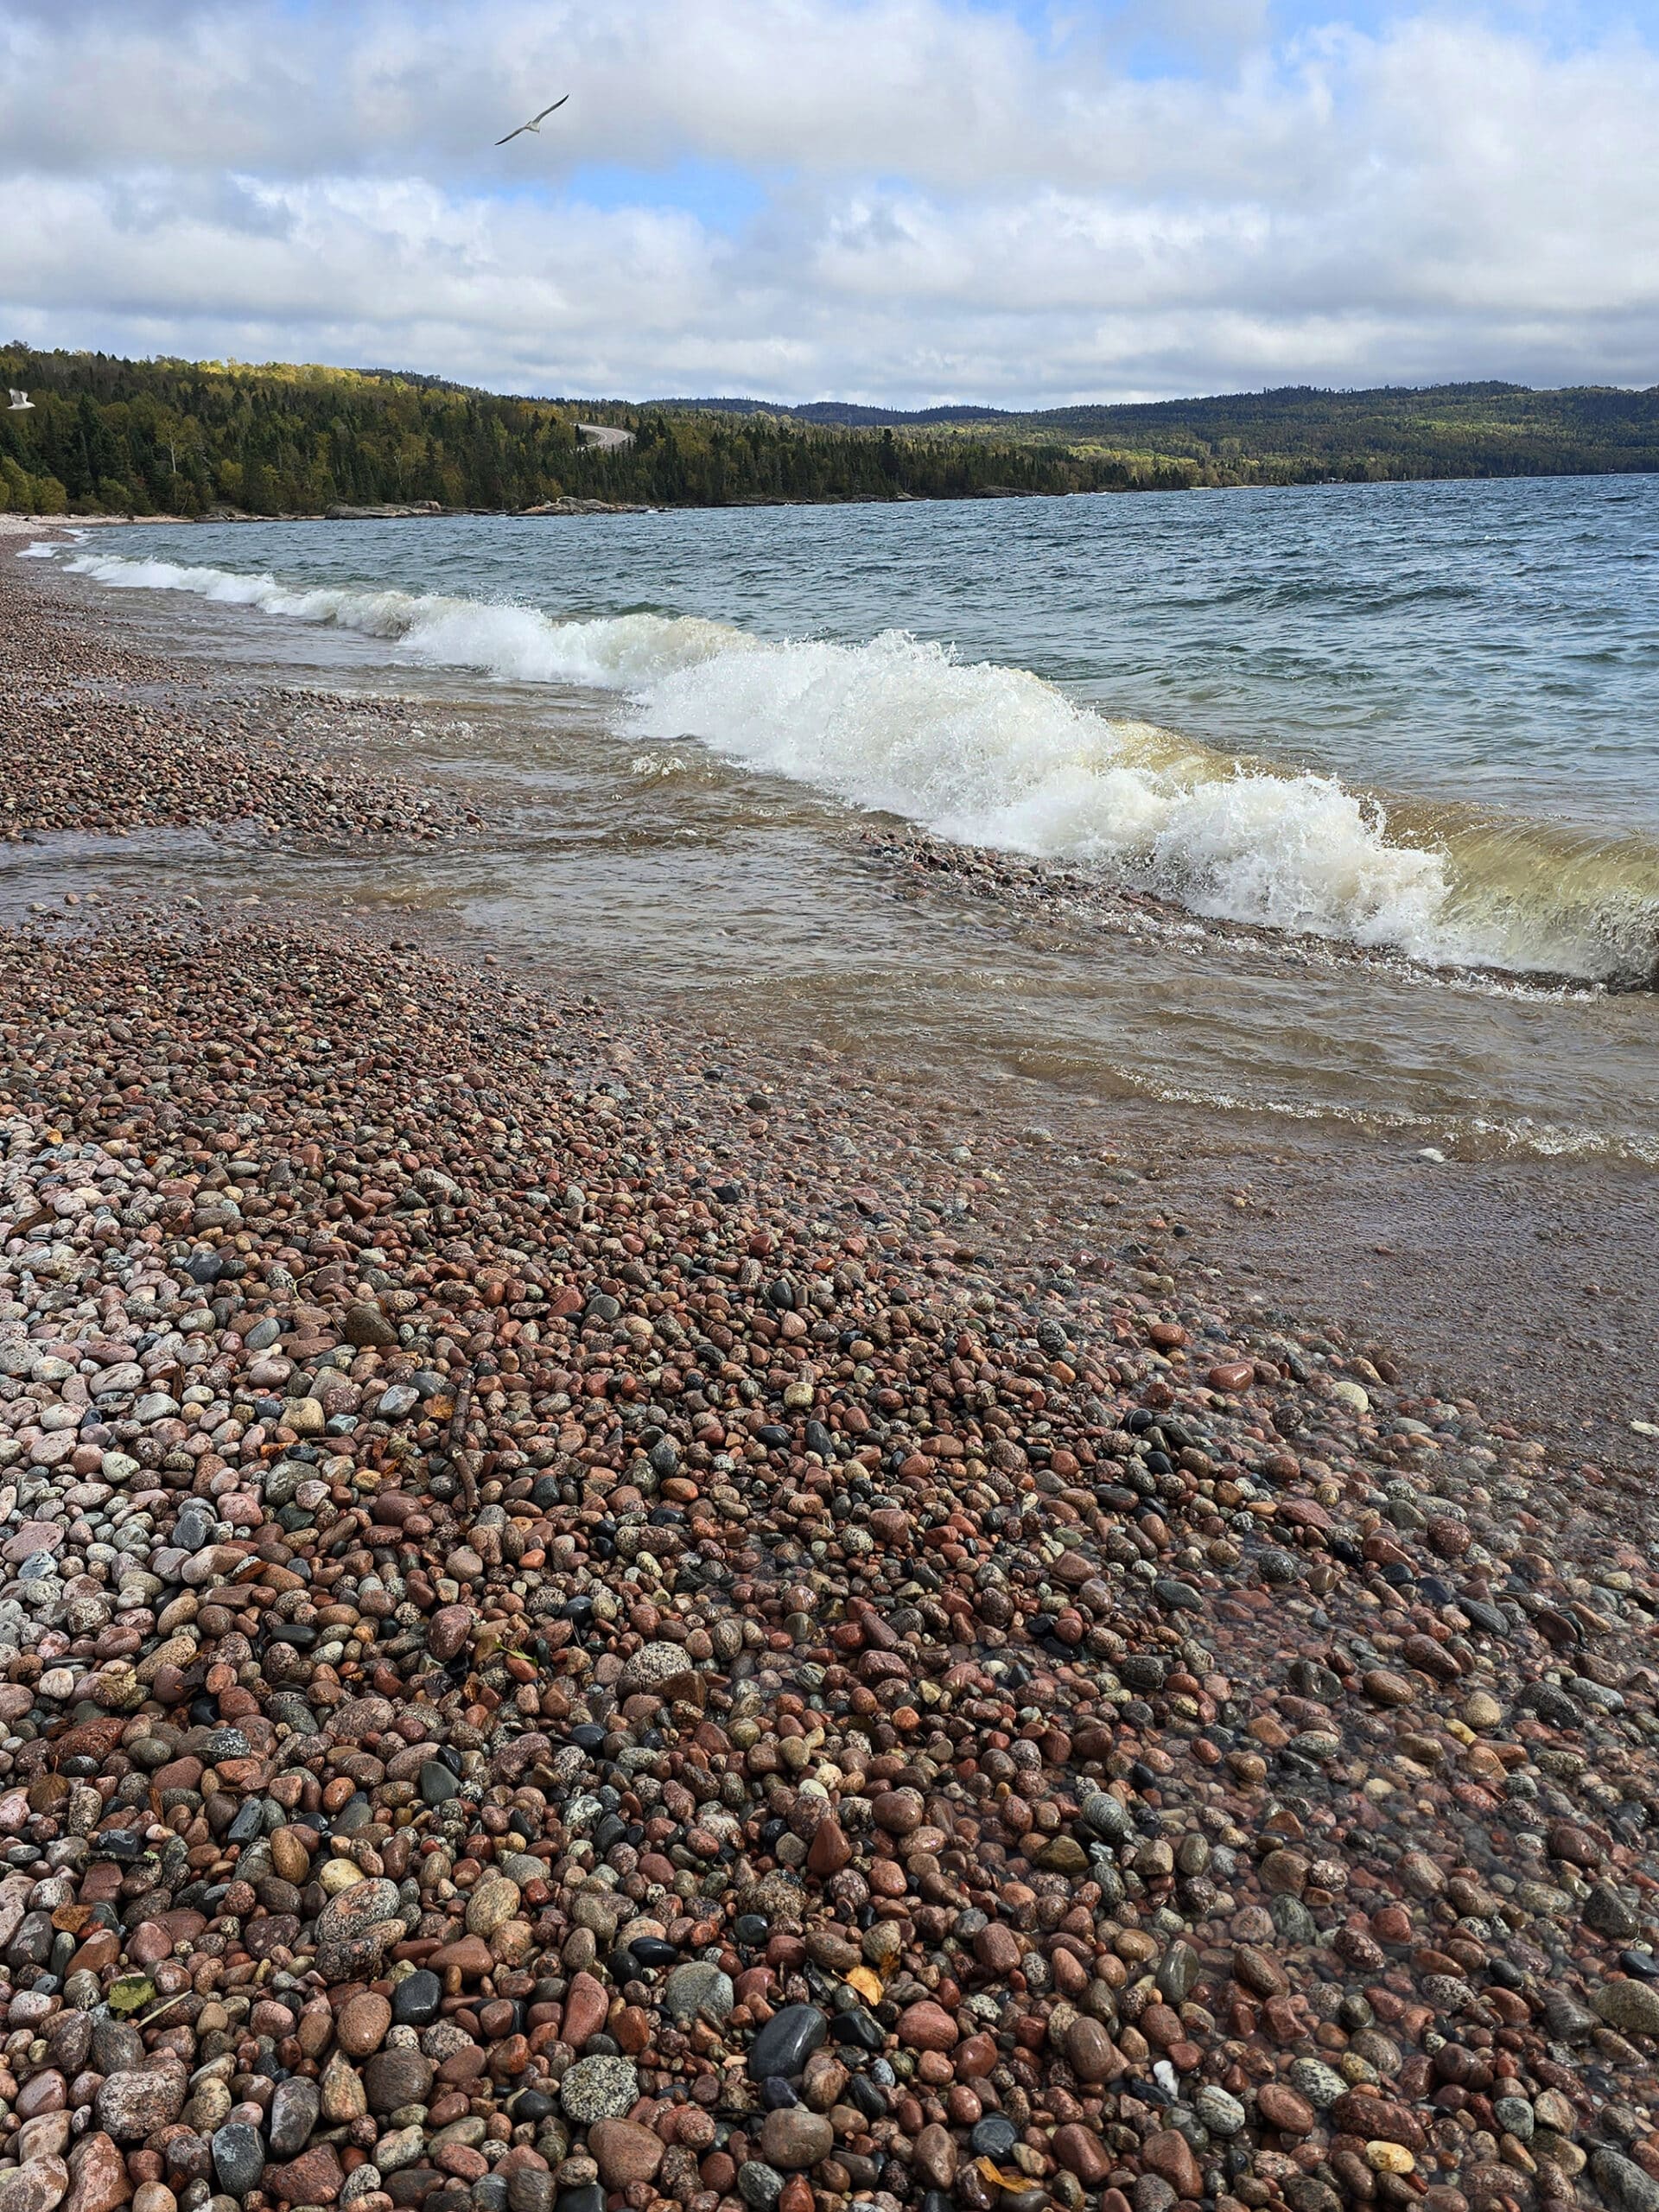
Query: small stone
{"points": [[1608, 1913], [395, 2078], [625, 2152], [786, 2042], [794, 2139], [356, 1929], [341, 2091], [437, 1783], [926, 2026], [35, 2186], [1092, 2055], [933, 2156], [417, 1999], [289, 1856], [1221, 2113], [661, 1668], [830, 1850], [1385, 2158], [1080, 2151], [361, 2025], [1178, 1971], [697, 1987], [399, 2147], [133, 2105], [1108, 1816], [1167, 2153], [1626, 2186], [1385, 1687], [100, 2181], [239, 2158], [1064, 1854], [492, 1904], [1633, 2007], [367, 1326], [994, 2137], [1320, 2084], [599, 2089], [1282, 2108], [449, 1631], [294, 2108], [314, 2178]]}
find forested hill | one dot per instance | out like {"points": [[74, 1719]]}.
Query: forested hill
{"points": [[1302, 434], [186, 438], [106, 434], [1462, 430]]}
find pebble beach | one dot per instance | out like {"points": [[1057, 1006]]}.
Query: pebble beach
{"points": [[559, 1653]]}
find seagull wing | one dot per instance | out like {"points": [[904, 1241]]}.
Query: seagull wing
{"points": [[511, 135], [546, 111]]}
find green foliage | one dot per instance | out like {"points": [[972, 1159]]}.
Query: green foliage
{"points": [[181, 437], [1302, 435]]}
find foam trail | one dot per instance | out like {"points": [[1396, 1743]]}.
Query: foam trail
{"points": [[983, 754], [619, 653]]}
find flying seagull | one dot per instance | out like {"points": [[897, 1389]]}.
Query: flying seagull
{"points": [[20, 400], [535, 123]]}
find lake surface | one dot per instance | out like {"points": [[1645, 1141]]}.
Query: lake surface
{"points": [[1389, 751]]}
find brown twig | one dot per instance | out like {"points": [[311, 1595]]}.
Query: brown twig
{"points": [[460, 1456]]}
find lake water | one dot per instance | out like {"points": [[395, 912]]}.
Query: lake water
{"points": [[1390, 751]]}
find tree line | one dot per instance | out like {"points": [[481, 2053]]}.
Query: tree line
{"points": [[190, 438], [108, 435], [1303, 434]]}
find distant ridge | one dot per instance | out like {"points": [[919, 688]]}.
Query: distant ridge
{"points": [[848, 414], [1282, 402]]}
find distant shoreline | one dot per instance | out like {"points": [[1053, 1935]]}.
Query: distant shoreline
{"points": [[562, 510]]}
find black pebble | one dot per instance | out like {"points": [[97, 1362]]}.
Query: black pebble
{"points": [[994, 2137], [864, 2096], [417, 1999], [858, 2029]]}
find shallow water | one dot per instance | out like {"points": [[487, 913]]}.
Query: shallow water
{"points": [[1442, 698]]}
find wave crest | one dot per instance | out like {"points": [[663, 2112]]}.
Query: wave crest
{"points": [[984, 754]]}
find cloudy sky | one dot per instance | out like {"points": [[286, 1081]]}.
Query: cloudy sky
{"points": [[902, 201]]}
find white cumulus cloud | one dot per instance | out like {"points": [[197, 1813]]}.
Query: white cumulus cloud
{"points": [[894, 200]]}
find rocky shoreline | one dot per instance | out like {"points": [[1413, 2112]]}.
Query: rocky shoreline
{"points": [[559, 1653], [96, 736]]}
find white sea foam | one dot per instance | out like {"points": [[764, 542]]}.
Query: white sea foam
{"points": [[620, 653], [984, 754]]}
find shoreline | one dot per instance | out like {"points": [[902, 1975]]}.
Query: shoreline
{"points": [[429, 510], [616, 1667], [1351, 1224]]}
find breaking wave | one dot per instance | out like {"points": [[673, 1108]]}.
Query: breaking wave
{"points": [[990, 755]]}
